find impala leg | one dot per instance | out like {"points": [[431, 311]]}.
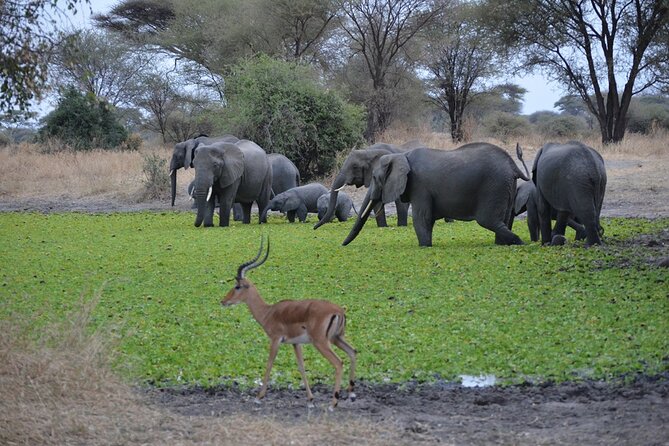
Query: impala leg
{"points": [[300, 366], [273, 350], [326, 351], [350, 351]]}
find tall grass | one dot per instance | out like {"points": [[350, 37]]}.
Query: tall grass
{"points": [[27, 172]]}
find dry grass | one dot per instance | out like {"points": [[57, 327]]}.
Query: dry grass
{"points": [[60, 390], [27, 173]]}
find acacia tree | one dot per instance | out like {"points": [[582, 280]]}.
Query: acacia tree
{"points": [[102, 64], [27, 29], [458, 59], [603, 50], [380, 31]]}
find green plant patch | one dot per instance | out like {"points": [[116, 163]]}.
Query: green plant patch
{"points": [[464, 306]]}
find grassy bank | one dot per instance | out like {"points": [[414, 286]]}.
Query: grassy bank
{"points": [[464, 306]]}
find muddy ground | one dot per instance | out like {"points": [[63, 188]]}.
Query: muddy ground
{"points": [[629, 411]]}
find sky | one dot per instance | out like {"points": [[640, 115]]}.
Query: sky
{"points": [[541, 93]]}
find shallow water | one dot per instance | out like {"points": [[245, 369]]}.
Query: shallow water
{"points": [[478, 381]]}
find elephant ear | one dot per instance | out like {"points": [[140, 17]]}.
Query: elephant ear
{"points": [[189, 154], [291, 204], [391, 176], [233, 165]]}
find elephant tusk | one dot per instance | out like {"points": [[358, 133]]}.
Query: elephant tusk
{"points": [[209, 193], [171, 172], [368, 208], [337, 190]]}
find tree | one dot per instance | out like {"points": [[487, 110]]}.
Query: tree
{"points": [[83, 122], [458, 60], [380, 31], [27, 28], [590, 45], [102, 64], [282, 107]]}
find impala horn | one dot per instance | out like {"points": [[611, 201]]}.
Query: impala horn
{"points": [[247, 266]]}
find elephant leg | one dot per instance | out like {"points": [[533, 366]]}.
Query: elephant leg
{"points": [[503, 236], [302, 213], [402, 213], [560, 223], [380, 215], [224, 215], [291, 216], [423, 224], [591, 229], [237, 212], [544, 213], [246, 213], [579, 228]]}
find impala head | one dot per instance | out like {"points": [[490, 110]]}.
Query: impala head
{"points": [[239, 292]]}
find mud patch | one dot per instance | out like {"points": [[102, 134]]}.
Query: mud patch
{"points": [[589, 412]]}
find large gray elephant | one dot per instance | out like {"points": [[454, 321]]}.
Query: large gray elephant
{"points": [[343, 209], [284, 173], [297, 201], [357, 171], [526, 200], [238, 172], [184, 153], [474, 182], [284, 176], [571, 180]]}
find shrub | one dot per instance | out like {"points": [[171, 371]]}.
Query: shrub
{"points": [[281, 106], [156, 178], [506, 125], [83, 122], [561, 126]]}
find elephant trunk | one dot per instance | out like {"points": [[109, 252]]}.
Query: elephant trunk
{"points": [[173, 179], [203, 205], [338, 183], [367, 206]]}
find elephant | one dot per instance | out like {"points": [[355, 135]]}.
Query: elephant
{"points": [[357, 170], [232, 172], [570, 179], [185, 151], [284, 173], [474, 182], [344, 206], [297, 201], [526, 201], [284, 176]]}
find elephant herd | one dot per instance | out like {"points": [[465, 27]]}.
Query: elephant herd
{"points": [[476, 181]]}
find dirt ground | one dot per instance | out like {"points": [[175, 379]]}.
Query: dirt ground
{"points": [[634, 412]]}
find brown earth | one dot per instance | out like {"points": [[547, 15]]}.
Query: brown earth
{"points": [[631, 411]]}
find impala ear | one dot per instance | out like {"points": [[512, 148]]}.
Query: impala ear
{"points": [[391, 176]]}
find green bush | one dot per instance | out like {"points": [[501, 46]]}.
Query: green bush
{"points": [[83, 122], [281, 106], [561, 126], [506, 125]]}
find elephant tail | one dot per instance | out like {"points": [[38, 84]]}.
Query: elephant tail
{"points": [[519, 154]]}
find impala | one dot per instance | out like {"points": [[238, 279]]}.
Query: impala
{"points": [[295, 322]]}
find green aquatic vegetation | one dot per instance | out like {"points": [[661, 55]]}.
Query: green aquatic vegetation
{"points": [[464, 306]]}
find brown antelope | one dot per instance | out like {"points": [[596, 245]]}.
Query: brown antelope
{"points": [[296, 322]]}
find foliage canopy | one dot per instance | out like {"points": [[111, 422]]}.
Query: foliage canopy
{"points": [[282, 107], [83, 122]]}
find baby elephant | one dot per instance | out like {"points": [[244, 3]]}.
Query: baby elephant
{"points": [[342, 210], [297, 201]]}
